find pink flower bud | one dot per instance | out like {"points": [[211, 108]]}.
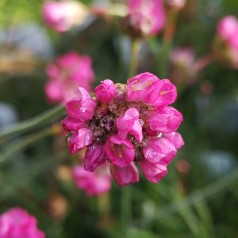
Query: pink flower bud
{"points": [[94, 157], [92, 183], [80, 139], [106, 91], [126, 175], [82, 107], [148, 88], [72, 124], [159, 150], [165, 119], [153, 172], [227, 28], [119, 151], [129, 123], [18, 223]]}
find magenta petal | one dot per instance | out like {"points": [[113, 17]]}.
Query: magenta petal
{"points": [[79, 140], [153, 172], [129, 123], [148, 88], [175, 138], [106, 91], [119, 151], [157, 149], [81, 108], [72, 124], [126, 175], [94, 157], [165, 119], [165, 93]]}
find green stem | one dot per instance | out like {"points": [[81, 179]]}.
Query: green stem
{"points": [[23, 143], [167, 42], [126, 208], [210, 191], [30, 124], [134, 61]]}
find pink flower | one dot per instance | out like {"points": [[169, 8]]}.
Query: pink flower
{"points": [[66, 74], [135, 126], [92, 183], [165, 119], [149, 89], [82, 107], [146, 17], [62, 16], [119, 151], [106, 91], [153, 172], [18, 223], [129, 123], [126, 175], [94, 157], [79, 140]]}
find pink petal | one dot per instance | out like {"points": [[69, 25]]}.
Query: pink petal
{"points": [[129, 123], [79, 140], [119, 151], [126, 175], [94, 157], [159, 150], [153, 172], [165, 119]]}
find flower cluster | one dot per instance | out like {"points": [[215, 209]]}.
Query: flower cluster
{"points": [[226, 43], [124, 125], [145, 17], [17, 223], [66, 74], [92, 183], [62, 16]]}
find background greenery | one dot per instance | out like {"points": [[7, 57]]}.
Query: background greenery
{"points": [[202, 202]]}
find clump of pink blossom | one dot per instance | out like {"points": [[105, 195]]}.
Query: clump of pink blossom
{"points": [[145, 17], [92, 183], [62, 16], [66, 74], [125, 125], [226, 44], [18, 223]]}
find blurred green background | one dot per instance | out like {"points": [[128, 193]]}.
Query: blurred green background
{"points": [[199, 196]]}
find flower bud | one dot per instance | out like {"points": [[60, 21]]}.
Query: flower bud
{"points": [[106, 91]]}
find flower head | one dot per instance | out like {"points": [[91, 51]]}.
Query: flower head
{"points": [[136, 126], [18, 223], [62, 16], [66, 74]]}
